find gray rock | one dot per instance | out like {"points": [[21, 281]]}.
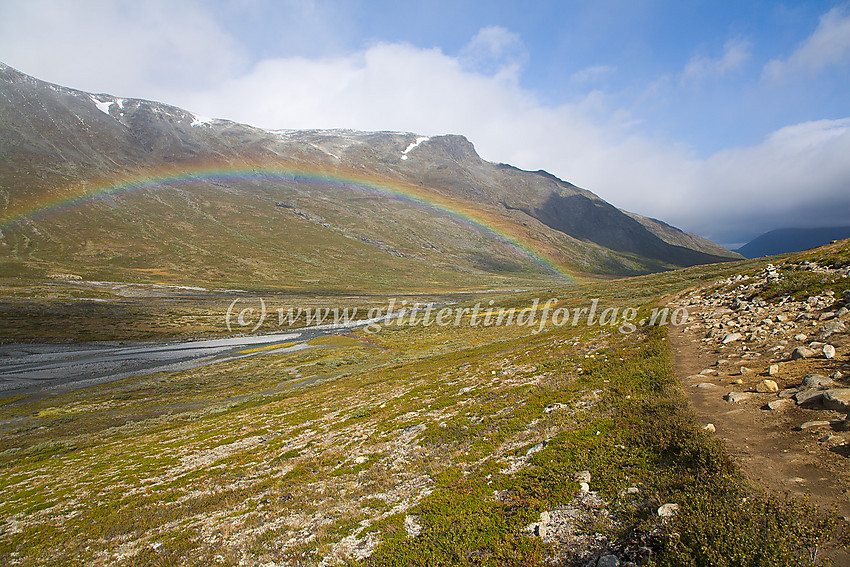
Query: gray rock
{"points": [[732, 337], [837, 399], [738, 397], [706, 385], [817, 381], [668, 510], [788, 392], [832, 328], [829, 351], [826, 316], [773, 370], [800, 337], [809, 398], [801, 352], [535, 448], [842, 312], [608, 561], [582, 476], [776, 405], [810, 424]]}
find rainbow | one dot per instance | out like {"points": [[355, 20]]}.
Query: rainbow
{"points": [[354, 181]]}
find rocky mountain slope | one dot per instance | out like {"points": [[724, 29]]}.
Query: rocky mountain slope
{"points": [[108, 187]]}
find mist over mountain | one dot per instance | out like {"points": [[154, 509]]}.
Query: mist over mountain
{"points": [[284, 211]]}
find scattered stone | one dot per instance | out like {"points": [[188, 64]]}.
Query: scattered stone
{"points": [[709, 427], [738, 397], [766, 386], [608, 561], [737, 381], [706, 385], [360, 460], [582, 476], [837, 375], [745, 370], [632, 490], [800, 337], [826, 316], [788, 392], [545, 517], [732, 337], [412, 526], [842, 312], [668, 510], [810, 424], [584, 487], [817, 381], [708, 372], [829, 351], [809, 398], [801, 352], [837, 399], [776, 405], [773, 370]]}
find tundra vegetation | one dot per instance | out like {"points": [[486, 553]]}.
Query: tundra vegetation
{"points": [[451, 445]]}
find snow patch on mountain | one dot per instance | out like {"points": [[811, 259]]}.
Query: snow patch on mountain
{"points": [[200, 120], [102, 106], [413, 145]]}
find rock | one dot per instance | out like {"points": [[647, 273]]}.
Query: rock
{"points": [[584, 487], [842, 312], [773, 370], [826, 316], [545, 517], [832, 328], [709, 427], [668, 510], [738, 397], [801, 352], [800, 337], [608, 561], [816, 381], [837, 375], [745, 370], [766, 386], [737, 381], [360, 460], [810, 424], [706, 385], [788, 392], [776, 405], [708, 372], [731, 338], [809, 398], [837, 399], [540, 530], [582, 476], [829, 351]]}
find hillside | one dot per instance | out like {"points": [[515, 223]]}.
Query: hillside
{"points": [[131, 190], [786, 240]]}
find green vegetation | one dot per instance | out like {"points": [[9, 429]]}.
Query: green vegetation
{"points": [[466, 434]]}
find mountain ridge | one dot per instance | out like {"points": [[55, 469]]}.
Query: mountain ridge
{"points": [[54, 139]]}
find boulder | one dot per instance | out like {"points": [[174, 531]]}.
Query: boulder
{"points": [[809, 398], [668, 510], [837, 399], [802, 352], [732, 337], [738, 397], [817, 381]]}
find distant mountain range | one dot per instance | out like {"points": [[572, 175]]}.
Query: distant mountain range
{"points": [[784, 240], [127, 189]]}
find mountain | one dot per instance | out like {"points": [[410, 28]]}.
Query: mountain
{"points": [[127, 189], [784, 240]]}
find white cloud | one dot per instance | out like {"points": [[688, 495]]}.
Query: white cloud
{"points": [[135, 48], [829, 45], [736, 52]]}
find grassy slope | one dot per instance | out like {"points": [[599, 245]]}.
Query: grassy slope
{"points": [[232, 462]]}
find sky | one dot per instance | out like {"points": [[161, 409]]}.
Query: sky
{"points": [[727, 119]]}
